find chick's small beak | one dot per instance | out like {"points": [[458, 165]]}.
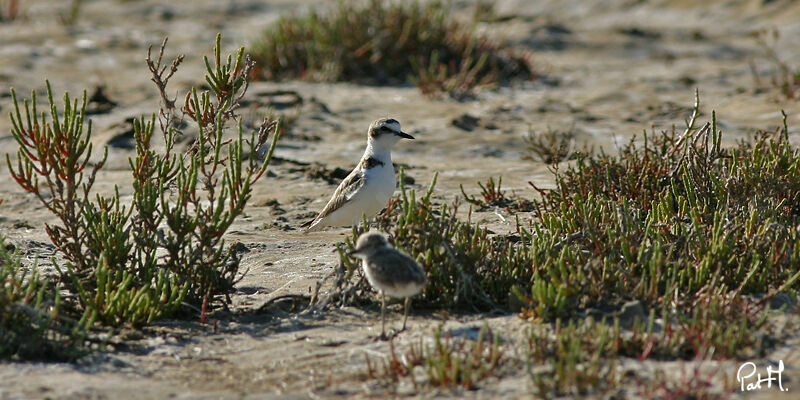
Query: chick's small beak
{"points": [[404, 135], [352, 253]]}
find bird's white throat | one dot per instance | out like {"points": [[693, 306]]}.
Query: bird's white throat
{"points": [[380, 151]]}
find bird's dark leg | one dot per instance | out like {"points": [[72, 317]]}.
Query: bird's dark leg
{"points": [[405, 309], [383, 314]]}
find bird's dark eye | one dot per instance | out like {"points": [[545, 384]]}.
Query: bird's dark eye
{"points": [[385, 129]]}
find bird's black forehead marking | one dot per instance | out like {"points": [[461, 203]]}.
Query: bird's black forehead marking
{"points": [[380, 127]]}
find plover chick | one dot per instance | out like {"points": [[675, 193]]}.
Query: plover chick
{"points": [[390, 271], [369, 186]]}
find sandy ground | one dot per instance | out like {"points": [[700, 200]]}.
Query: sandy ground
{"points": [[611, 69]]}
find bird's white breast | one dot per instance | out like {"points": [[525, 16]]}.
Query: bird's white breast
{"points": [[381, 181], [379, 187], [369, 200]]}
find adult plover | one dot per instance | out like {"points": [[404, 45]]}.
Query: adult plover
{"points": [[390, 271], [371, 183]]}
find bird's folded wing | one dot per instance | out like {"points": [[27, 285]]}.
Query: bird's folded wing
{"points": [[344, 193], [394, 268]]}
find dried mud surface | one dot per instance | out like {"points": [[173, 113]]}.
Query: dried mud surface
{"points": [[610, 70]]}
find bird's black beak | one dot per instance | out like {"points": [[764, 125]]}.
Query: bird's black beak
{"points": [[352, 253], [404, 135]]}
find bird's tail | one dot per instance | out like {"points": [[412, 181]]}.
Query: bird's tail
{"points": [[310, 226]]}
